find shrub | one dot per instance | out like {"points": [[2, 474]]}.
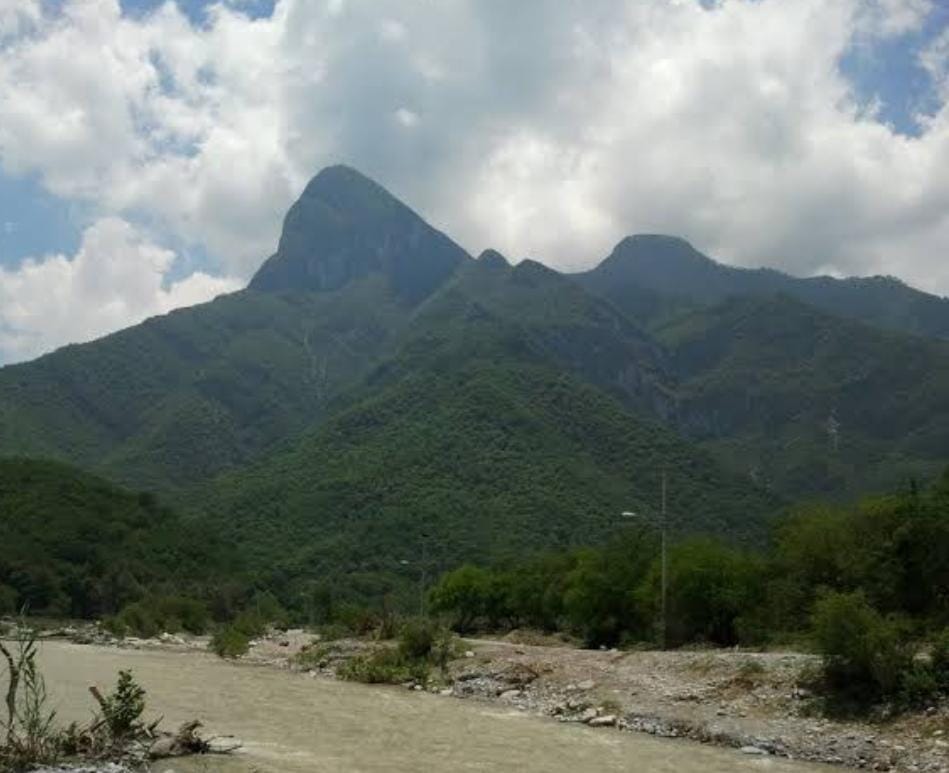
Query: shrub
{"points": [[157, 614], [714, 593], [864, 659], [383, 666], [918, 686], [445, 647], [416, 639], [123, 708], [229, 642], [250, 624], [463, 593]]}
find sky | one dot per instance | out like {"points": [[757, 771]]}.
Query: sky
{"points": [[149, 150]]}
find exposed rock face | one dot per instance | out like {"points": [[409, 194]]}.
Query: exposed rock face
{"points": [[346, 227]]}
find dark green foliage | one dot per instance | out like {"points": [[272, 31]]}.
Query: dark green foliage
{"points": [[179, 398], [481, 463], [894, 549], [868, 658], [75, 545], [864, 657], [464, 594], [807, 403], [229, 642], [157, 614], [384, 665], [876, 572], [122, 709], [417, 638], [713, 588], [600, 602], [612, 594], [232, 639], [422, 644]]}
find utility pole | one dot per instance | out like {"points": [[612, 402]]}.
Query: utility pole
{"points": [[662, 630], [664, 577]]}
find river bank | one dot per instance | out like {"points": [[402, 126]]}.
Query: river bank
{"points": [[292, 722], [754, 702]]}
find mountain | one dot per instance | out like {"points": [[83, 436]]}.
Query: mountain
{"points": [[76, 545], [483, 457], [376, 392], [181, 397], [806, 403], [346, 227], [652, 276], [178, 398]]}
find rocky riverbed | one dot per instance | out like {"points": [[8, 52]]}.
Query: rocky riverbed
{"points": [[751, 701], [756, 702]]}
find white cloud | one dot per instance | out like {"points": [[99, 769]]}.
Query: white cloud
{"points": [[18, 16], [543, 129], [116, 278], [892, 18]]}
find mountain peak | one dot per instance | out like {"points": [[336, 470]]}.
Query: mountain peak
{"points": [[340, 182], [345, 227], [493, 259], [657, 248]]}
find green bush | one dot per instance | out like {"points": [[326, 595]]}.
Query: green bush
{"points": [[229, 642], [122, 709], [159, 614], [416, 639], [463, 593], [249, 624], [864, 657], [383, 666], [918, 686], [714, 592]]}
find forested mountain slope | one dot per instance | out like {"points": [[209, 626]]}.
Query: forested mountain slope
{"points": [[651, 276]]}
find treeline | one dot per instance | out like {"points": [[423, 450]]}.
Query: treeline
{"points": [[864, 584], [893, 551]]}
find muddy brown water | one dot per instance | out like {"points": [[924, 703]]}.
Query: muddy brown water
{"points": [[291, 722]]}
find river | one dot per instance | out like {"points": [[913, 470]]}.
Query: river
{"points": [[290, 722]]}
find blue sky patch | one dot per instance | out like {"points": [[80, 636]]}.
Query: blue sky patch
{"points": [[888, 72], [34, 223]]}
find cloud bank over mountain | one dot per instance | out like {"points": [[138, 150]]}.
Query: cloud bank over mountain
{"points": [[547, 130]]}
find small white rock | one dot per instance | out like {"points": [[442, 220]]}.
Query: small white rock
{"points": [[752, 750], [608, 720]]}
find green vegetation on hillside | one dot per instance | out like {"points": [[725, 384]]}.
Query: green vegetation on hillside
{"points": [[865, 582], [179, 398], [75, 545], [808, 404], [361, 290], [482, 462]]}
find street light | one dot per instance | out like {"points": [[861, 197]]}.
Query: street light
{"points": [[664, 581]]}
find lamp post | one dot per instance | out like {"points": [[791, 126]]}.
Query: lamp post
{"points": [[421, 583], [664, 581]]}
